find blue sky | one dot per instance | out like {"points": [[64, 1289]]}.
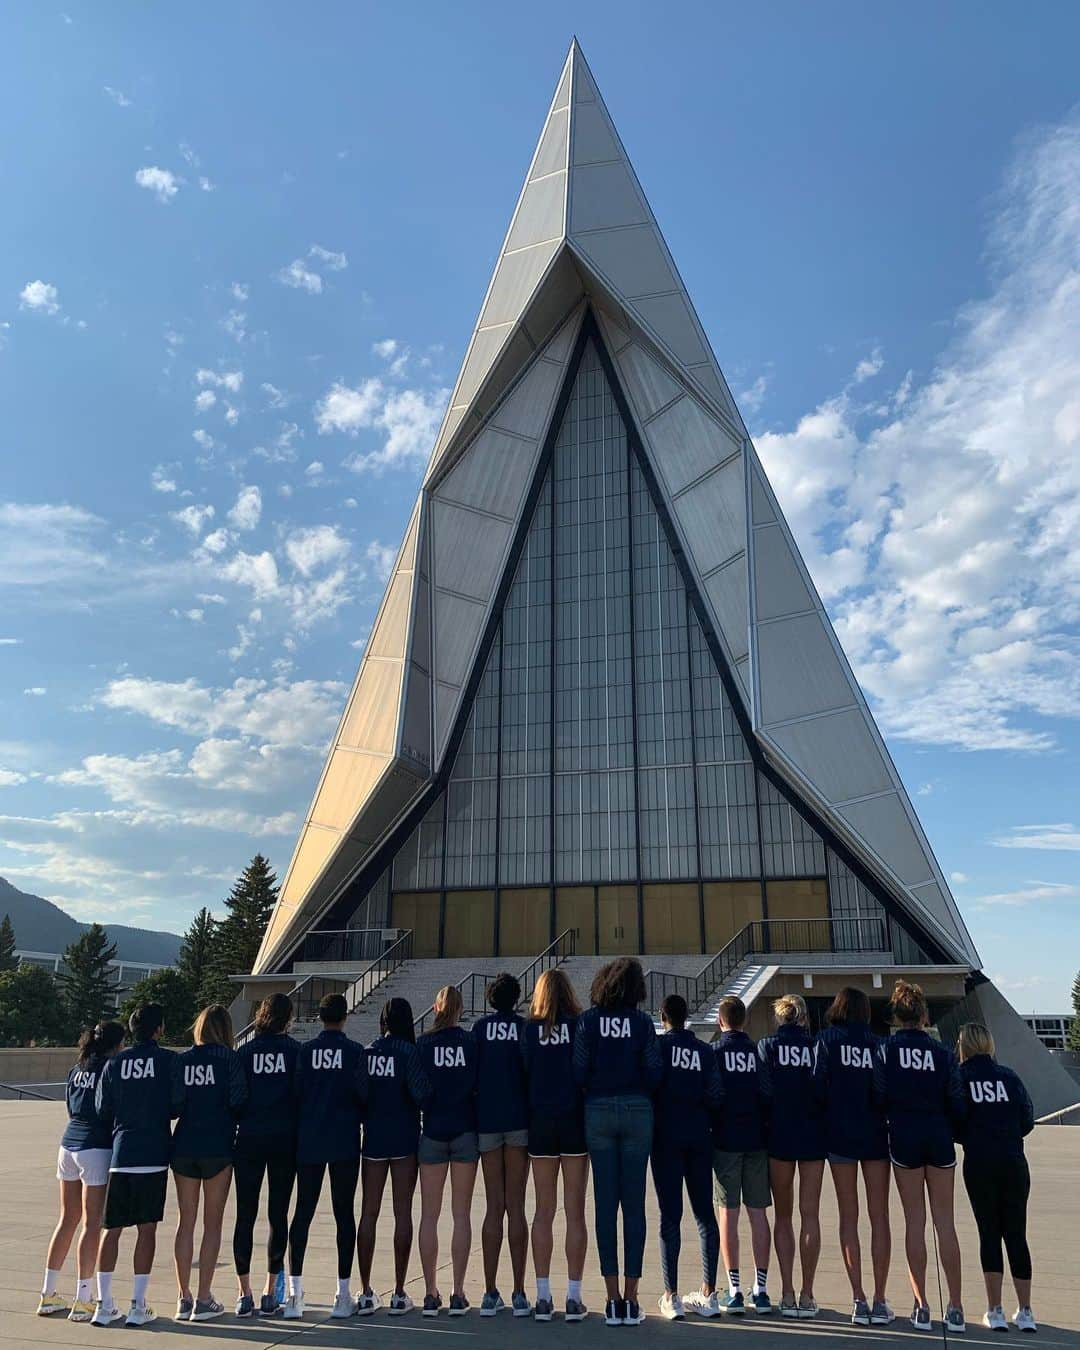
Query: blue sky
{"points": [[216, 215]]}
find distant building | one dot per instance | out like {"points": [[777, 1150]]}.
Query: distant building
{"points": [[125, 973], [1051, 1028]]}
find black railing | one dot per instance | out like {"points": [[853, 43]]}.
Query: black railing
{"points": [[474, 986], [19, 1092], [345, 944]]}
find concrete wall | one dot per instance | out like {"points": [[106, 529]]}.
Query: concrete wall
{"points": [[49, 1065]]}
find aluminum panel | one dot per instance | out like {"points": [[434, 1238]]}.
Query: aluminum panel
{"points": [[799, 672], [415, 740], [562, 94], [604, 196], [371, 722], [468, 550], [584, 85], [447, 698], [349, 778], [559, 292], [492, 475], [540, 212], [506, 369], [837, 754], [525, 412], [615, 335], [742, 671], [594, 138], [671, 319], [631, 259], [551, 152], [391, 630], [933, 898], [457, 630], [779, 587], [759, 498], [726, 590], [515, 281], [713, 516], [687, 443], [486, 345], [648, 384], [709, 378], [883, 824], [312, 851]]}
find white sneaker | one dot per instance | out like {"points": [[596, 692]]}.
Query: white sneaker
{"points": [[671, 1307], [400, 1304], [139, 1317], [344, 1306], [705, 1305], [293, 1308], [1024, 1320], [994, 1319], [367, 1304], [105, 1316]]}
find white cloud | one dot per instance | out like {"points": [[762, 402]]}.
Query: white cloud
{"points": [[960, 878], [382, 556], [235, 324], [333, 262], [205, 185], [751, 399], [869, 366], [275, 397], [217, 541], [161, 481], [232, 380], [256, 570], [118, 97], [203, 439], [1032, 892], [41, 296], [47, 546], [315, 469], [302, 273], [36, 691], [349, 410], [163, 183], [1062, 837], [409, 417], [205, 400], [239, 290], [193, 517], [386, 348], [211, 598], [11, 778], [247, 510], [10, 642], [319, 546], [232, 415]]}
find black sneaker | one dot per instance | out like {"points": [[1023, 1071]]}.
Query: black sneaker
{"points": [[634, 1316], [615, 1312], [269, 1306]]}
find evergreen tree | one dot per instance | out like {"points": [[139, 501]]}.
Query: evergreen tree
{"points": [[1073, 1041], [8, 959], [239, 934], [196, 959], [32, 1008], [88, 985], [171, 989]]}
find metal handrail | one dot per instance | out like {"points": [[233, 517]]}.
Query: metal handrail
{"points": [[343, 944], [553, 954], [21, 1092]]}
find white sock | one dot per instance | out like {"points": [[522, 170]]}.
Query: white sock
{"points": [[139, 1286], [343, 1287], [733, 1282], [52, 1279], [82, 1291], [761, 1279], [543, 1287], [573, 1290], [104, 1288], [296, 1286]]}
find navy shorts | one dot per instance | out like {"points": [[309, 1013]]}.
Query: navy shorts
{"points": [[919, 1145], [561, 1136]]}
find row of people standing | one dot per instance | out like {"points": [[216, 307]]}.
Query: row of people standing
{"points": [[556, 1090]]}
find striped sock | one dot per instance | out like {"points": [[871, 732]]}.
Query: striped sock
{"points": [[762, 1279], [733, 1282]]}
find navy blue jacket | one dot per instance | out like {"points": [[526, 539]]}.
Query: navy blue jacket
{"points": [[214, 1090], [139, 1092], [918, 1083], [501, 1103], [690, 1090], [998, 1111], [549, 1068], [269, 1114], [85, 1128], [615, 1053], [331, 1087], [796, 1122], [449, 1060], [844, 1073], [397, 1084], [740, 1126]]}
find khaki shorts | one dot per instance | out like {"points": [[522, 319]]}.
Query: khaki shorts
{"points": [[741, 1178]]}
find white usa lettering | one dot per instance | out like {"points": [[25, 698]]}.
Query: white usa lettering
{"points": [[682, 1057], [914, 1057], [856, 1057], [322, 1057], [987, 1090], [617, 1028], [794, 1056], [449, 1057], [502, 1031], [740, 1061], [556, 1036], [381, 1066], [82, 1079], [268, 1063], [198, 1075], [136, 1068]]}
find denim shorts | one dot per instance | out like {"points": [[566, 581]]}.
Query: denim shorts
{"points": [[462, 1148], [491, 1139]]}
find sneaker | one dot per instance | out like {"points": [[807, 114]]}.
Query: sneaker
{"points": [[994, 1319], [1024, 1320], [206, 1309], [705, 1305], [614, 1312], [954, 1321], [400, 1304], [761, 1303], [860, 1313], [733, 1303], [184, 1308], [245, 1305], [543, 1310], [269, 1306], [293, 1308], [634, 1314], [520, 1304], [807, 1306], [344, 1306], [105, 1316], [53, 1303], [139, 1317], [671, 1307], [432, 1304], [367, 1304], [576, 1311], [881, 1314], [490, 1304], [788, 1306], [82, 1310], [920, 1318], [459, 1305]]}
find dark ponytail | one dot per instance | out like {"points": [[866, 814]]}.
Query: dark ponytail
{"points": [[99, 1042]]}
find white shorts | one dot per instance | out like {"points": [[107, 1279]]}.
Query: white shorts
{"points": [[88, 1165]]}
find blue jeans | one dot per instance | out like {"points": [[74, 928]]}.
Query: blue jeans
{"points": [[673, 1164], [618, 1132]]}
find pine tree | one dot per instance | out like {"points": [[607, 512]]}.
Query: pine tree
{"points": [[88, 986], [197, 951], [8, 959], [239, 934], [1073, 1041], [32, 1008], [173, 992]]}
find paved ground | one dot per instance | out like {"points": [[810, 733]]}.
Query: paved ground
{"points": [[30, 1130]]}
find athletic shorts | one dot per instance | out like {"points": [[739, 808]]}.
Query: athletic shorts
{"points": [[88, 1165], [558, 1136], [463, 1148], [379, 1149], [134, 1198], [487, 1140], [916, 1146], [741, 1178], [199, 1169]]}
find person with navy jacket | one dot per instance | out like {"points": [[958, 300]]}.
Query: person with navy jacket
{"points": [[740, 1156], [918, 1082], [448, 1144], [82, 1168], [556, 1139], [265, 1147], [856, 1137], [139, 1091], [796, 1138], [689, 1092], [330, 1086], [202, 1159], [397, 1084], [617, 1065], [502, 1132], [998, 1114]]}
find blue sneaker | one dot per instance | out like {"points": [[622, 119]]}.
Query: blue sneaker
{"points": [[245, 1306], [761, 1303], [733, 1303]]}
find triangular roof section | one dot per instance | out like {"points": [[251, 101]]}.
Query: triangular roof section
{"points": [[582, 232]]}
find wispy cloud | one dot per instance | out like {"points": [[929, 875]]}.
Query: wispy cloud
{"points": [[1031, 892], [408, 417], [306, 273], [163, 183], [118, 97], [40, 296], [1063, 837]]}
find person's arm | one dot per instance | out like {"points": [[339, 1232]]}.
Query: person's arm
{"points": [[582, 1060], [881, 1093], [104, 1104], [956, 1096], [651, 1059], [360, 1077], [1025, 1109], [176, 1084], [526, 1048], [238, 1084], [714, 1082], [821, 1071], [416, 1079], [764, 1074]]}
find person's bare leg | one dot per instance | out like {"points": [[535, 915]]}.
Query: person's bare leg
{"points": [[546, 1194], [729, 1238], [109, 1250], [759, 1236], [911, 1183], [145, 1248], [374, 1174], [188, 1191], [1023, 1293], [516, 1178], [491, 1233], [782, 1180], [811, 1175], [215, 1195], [432, 1183], [846, 1185], [575, 1182], [462, 1184], [994, 1280], [876, 1176], [90, 1240], [631, 1288], [403, 1185], [67, 1225], [939, 1185]]}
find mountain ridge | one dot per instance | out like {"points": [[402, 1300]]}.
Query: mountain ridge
{"points": [[42, 926]]}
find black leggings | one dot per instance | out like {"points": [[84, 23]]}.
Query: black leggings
{"points": [[672, 1165], [998, 1190], [309, 1180], [279, 1166]]}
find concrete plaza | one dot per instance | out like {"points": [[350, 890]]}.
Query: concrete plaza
{"points": [[30, 1131]]}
